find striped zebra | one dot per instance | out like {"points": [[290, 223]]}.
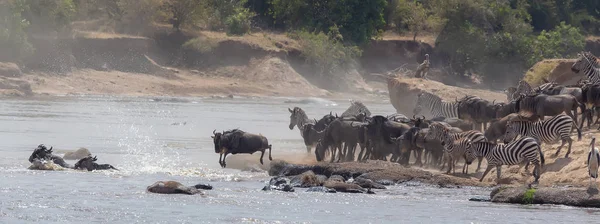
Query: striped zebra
{"points": [[589, 65], [524, 149], [442, 133], [544, 87], [522, 88], [437, 107], [456, 149], [356, 108], [545, 131], [299, 118]]}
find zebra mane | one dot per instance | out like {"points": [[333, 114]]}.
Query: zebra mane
{"points": [[299, 113], [590, 58]]}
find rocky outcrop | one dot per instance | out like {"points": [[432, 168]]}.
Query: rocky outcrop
{"points": [[10, 70], [571, 196], [371, 174]]}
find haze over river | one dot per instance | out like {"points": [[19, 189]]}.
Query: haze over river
{"points": [[136, 135]]}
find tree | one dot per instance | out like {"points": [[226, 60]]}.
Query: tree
{"points": [[181, 11], [413, 16]]}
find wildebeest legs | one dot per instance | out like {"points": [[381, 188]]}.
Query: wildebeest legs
{"points": [[270, 157], [224, 152]]}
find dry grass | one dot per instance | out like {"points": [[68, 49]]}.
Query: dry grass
{"points": [[103, 35], [264, 40], [593, 38]]}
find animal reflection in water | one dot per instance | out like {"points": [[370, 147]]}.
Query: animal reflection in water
{"points": [[237, 141]]}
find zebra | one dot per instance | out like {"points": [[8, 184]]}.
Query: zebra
{"points": [[436, 106], [455, 149], [356, 108], [423, 68], [522, 88], [589, 65], [440, 132], [547, 131], [524, 149], [298, 118]]}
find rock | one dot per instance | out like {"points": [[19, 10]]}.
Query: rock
{"points": [[8, 69], [77, 154], [344, 187], [366, 183], [385, 182], [306, 179], [203, 186], [336, 178], [279, 184], [172, 187], [570, 196], [321, 189]]}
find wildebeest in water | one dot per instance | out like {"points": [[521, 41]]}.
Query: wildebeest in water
{"points": [[237, 141], [90, 164], [43, 153]]}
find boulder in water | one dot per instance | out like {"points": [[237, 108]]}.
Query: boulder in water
{"points": [[307, 179], [367, 183], [172, 187], [77, 154], [279, 184], [570, 196], [321, 189], [344, 187]]}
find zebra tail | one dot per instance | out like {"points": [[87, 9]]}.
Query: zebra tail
{"points": [[542, 160], [578, 131]]}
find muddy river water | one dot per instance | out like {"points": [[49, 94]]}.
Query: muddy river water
{"points": [[146, 139]]}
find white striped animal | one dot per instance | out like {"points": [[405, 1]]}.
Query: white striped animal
{"points": [[589, 65], [524, 149], [544, 131], [356, 108], [440, 132], [436, 106]]}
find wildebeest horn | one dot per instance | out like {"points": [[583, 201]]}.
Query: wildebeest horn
{"points": [[214, 132], [330, 113], [290, 110], [423, 117], [414, 116]]}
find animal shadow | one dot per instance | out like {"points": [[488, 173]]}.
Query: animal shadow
{"points": [[557, 165]]}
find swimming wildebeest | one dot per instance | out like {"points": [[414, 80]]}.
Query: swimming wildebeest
{"points": [[90, 164], [43, 153], [237, 141]]}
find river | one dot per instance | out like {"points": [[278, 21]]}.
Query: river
{"points": [[138, 136]]}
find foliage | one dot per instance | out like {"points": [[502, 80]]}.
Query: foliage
{"points": [[563, 41], [13, 39], [528, 196], [358, 21], [326, 52], [49, 14], [239, 22], [413, 16]]}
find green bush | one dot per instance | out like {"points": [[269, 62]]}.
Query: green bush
{"points": [[563, 41], [239, 22], [326, 52]]}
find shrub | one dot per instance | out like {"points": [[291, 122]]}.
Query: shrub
{"points": [[13, 39], [326, 52], [239, 22]]}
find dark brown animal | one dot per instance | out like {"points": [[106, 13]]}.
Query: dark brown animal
{"points": [[237, 141]]}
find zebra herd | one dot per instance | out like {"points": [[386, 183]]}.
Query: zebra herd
{"points": [[531, 117]]}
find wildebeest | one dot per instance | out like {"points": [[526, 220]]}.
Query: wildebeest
{"points": [[540, 105], [43, 153], [476, 110], [497, 128], [341, 137], [90, 164], [299, 118], [237, 141], [380, 131]]}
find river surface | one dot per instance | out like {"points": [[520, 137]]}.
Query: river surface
{"points": [[137, 136]]}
